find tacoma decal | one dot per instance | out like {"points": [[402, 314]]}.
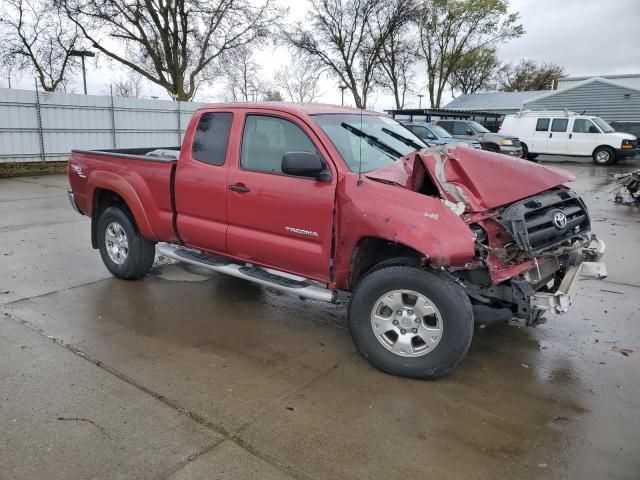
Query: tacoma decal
{"points": [[301, 231]]}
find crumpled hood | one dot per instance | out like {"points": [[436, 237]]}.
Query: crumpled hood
{"points": [[481, 180]]}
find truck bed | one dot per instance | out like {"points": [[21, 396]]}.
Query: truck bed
{"points": [[142, 176]]}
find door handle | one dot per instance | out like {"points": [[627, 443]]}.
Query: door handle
{"points": [[550, 135], [239, 188], [571, 135]]}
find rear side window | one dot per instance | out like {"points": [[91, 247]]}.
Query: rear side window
{"points": [[265, 141], [460, 128], [446, 125], [559, 125], [211, 138], [542, 125]]}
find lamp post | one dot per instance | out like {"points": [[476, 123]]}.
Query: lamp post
{"points": [[82, 54], [420, 95], [342, 89]]}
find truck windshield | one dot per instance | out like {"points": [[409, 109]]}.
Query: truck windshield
{"points": [[604, 126], [477, 127], [374, 140]]}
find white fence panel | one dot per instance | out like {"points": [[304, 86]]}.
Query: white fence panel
{"points": [[47, 126]]}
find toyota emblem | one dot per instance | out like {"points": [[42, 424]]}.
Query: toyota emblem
{"points": [[560, 220]]}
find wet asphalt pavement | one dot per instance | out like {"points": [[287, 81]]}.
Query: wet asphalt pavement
{"points": [[188, 374]]}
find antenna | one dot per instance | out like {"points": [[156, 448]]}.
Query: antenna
{"points": [[360, 156]]}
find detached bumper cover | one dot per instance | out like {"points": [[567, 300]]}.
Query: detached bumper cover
{"points": [[560, 300]]}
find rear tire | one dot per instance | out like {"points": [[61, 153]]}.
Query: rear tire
{"points": [[604, 156], [532, 156], [125, 252], [411, 322]]}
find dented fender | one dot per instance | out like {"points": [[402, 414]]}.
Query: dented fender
{"points": [[398, 215]]}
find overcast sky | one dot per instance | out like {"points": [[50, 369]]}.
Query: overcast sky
{"points": [[586, 37]]}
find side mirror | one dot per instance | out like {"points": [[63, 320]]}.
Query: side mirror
{"points": [[469, 132], [305, 164], [430, 137], [593, 129]]}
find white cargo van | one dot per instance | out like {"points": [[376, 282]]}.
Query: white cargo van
{"points": [[568, 133]]}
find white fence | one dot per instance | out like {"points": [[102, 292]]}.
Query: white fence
{"points": [[38, 126]]}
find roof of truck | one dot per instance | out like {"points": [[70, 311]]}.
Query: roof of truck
{"points": [[295, 108]]}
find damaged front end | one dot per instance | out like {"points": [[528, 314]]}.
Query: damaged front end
{"points": [[530, 256], [533, 234]]}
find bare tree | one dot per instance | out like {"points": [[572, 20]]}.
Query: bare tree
{"points": [[300, 80], [172, 43], [528, 75], [272, 96], [476, 71], [128, 86], [38, 37], [451, 29], [241, 76], [346, 36], [397, 57]]}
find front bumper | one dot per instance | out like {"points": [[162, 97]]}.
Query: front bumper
{"points": [[627, 152], [512, 151], [560, 300]]}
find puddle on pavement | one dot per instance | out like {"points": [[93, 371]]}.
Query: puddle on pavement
{"points": [[181, 272]]}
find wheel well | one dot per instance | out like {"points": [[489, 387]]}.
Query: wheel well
{"points": [[102, 200], [494, 147], [608, 147], [372, 251]]}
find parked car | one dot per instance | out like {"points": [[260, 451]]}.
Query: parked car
{"points": [[436, 135], [568, 133], [494, 142], [334, 203]]}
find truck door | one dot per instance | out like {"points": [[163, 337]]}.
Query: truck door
{"points": [[558, 136], [278, 220], [584, 137], [541, 136], [200, 185]]}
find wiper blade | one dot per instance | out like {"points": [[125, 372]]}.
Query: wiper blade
{"points": [[373, 139], [405, 140]]}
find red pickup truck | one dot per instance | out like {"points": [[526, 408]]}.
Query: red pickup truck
{"points": [[338, 204]]}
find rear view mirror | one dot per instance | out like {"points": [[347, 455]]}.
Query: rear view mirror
{"points": [[593, 129], [305, 164]]}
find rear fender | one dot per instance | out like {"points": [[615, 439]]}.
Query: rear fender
{"points": [[132, 198]]}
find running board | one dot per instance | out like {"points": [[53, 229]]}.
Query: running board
{"points": [[270, 278]]}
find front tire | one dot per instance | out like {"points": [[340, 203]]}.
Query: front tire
{"points": [[526, 155], [125, 252], [604, 156], [411, 322]]}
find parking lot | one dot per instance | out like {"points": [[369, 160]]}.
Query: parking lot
{"points": [[188, 374]]}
